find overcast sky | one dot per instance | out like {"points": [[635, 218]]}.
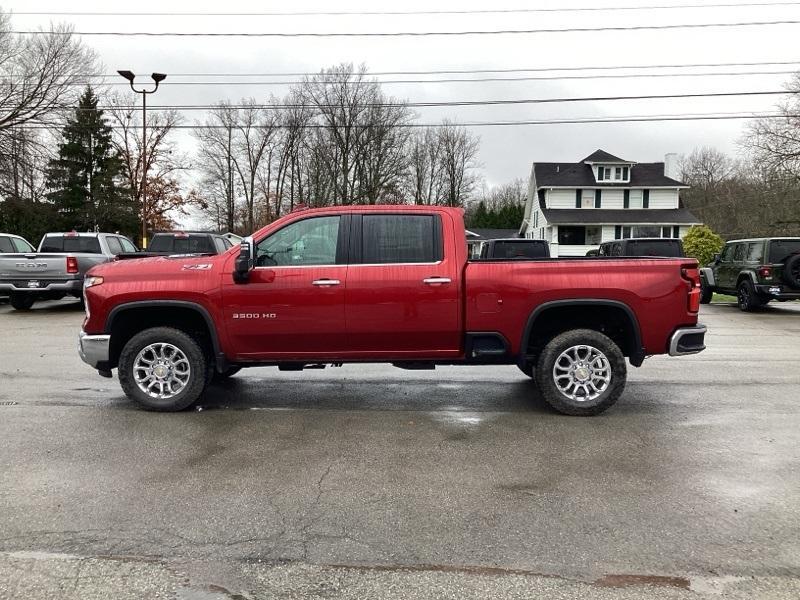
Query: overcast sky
{"points": [[506, 152]]}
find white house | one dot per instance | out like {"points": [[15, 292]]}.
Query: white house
{"points": [[577, 206]]}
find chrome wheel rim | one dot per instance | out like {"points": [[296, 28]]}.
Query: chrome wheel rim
{"points": [[161, 370], [582, 373]]}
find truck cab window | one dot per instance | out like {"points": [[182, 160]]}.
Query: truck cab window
{"points": [[113, 245], [302, 243], [401, 239]]}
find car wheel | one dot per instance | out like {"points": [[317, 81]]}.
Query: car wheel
{"points": [[163, 369], [22, 301], [230, 372], [581, 372], [706, 294], [746, 296], [528, 368]]}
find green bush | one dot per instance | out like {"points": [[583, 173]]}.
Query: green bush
{"points": [[702, 243]]}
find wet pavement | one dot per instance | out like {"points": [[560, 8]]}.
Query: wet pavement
{"points": [[368, 481]]}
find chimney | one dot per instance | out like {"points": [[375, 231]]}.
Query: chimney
{"points": [[671, 166]]}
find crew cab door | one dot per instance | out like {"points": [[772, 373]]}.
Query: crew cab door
{"points": [[293, 303], [402, 287]]}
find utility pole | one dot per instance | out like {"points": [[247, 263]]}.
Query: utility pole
{"points": [[157, 78]]}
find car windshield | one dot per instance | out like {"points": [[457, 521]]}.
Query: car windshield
{"points": [[520, 249], [781, 250]]}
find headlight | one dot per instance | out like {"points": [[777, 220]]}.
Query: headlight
{"points": [[92, 281]]}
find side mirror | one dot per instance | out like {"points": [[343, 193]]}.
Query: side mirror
{"points": [[716, 258], [244, 262]]}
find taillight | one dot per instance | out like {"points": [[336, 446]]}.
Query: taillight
{"points": [[72, 264], [692, 275], [765, 272]]}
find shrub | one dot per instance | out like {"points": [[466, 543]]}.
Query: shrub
{"points": [[702, 243]]}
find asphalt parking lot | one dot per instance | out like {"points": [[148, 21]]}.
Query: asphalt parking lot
{"points": [[371, 482]]}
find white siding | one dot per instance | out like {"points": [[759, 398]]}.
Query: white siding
{"points": [[560, 199], [636, 199], [613, 198], [608, 233], [663, 198]]}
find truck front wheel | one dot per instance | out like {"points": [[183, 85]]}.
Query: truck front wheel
{"points": [[581, 372], [163, 369]]}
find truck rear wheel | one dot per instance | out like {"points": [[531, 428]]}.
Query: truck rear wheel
{"points": [[706, 294], [581, 372], [163, 369], [22, 301]]}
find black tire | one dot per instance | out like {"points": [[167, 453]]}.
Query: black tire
{"points": [[528, 369], [706, 294], [198, 369], [22, 301], [230, 372], [791, 271], [560, 401], [747, 298]]}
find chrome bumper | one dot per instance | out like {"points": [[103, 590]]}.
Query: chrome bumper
{"points": [[93, 348], [687, 340]]}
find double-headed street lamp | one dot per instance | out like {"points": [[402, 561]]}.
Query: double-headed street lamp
{"points": [[157, 78]]}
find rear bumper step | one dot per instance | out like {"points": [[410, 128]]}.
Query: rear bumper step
{"points": [[687, 340]]}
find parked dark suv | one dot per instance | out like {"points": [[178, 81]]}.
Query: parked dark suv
{"points": [[755, 271]]}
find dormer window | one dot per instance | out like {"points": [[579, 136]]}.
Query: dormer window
{"points": [[613, 173]]}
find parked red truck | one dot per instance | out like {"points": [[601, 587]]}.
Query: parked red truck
{"points": [[384, 284]]}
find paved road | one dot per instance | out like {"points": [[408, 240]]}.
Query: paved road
{"points": [[366, 481]]}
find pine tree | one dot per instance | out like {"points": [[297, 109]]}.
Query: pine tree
{"points": [[84, 181]]}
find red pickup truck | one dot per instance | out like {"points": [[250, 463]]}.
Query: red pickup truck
{"points": [[384, 284]]}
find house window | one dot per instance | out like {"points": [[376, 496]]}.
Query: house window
{"points": [[665, 231], [577, 198], [645, 198], [594, 235], [626, 199], [618, 232], [626, 232], [676, 231], [646, 231], [598, 198], [572, 235], [618, 173], [601, 173], [625, 173]]}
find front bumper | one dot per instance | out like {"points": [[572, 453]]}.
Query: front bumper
{"points": [[68, 286], [778, 292], [687, 340], [94, 349]]}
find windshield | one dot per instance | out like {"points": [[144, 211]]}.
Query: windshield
{"points": [[77, 244], [781, 250]]}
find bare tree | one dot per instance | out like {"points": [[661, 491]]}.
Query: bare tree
{"points": [[775, 142], [37, 73], [216, 164], [459, 151]]}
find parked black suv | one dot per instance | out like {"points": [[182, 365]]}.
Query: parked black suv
{"points": [[672, 247], [755, 271]]}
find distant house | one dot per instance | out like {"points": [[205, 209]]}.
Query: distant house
{"points": [[577, 206]]}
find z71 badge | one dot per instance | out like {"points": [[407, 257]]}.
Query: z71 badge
{"points": [[255, 316]]}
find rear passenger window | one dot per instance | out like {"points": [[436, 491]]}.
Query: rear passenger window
{"points": [[754, 251], [401, 239], [113, 245], [220, 245], [21, 245], [741, 249], [127, 245], [5, 245]]}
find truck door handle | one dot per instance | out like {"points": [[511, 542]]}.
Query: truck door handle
{"points": [[325, 282], [436, 280]]}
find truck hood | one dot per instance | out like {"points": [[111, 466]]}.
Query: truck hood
{"points": [[159, 267]]}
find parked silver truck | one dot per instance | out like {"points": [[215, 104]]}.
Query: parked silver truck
{"points": [[57, 269]]}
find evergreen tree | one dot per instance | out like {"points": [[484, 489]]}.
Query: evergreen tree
{"points": [[84, 181]]}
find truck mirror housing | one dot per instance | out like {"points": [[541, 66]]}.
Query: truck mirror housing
{"points": [[244, 262]]}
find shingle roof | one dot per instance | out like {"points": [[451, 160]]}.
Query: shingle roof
{"points": [[550, 174], [637, 216], [603, 156]]}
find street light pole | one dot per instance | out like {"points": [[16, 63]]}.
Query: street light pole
{"points": [[157, 78]]}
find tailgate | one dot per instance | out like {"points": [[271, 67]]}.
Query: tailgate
{"points": [[34, 266]]}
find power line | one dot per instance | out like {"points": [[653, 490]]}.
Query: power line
{"points": [[402, 12], [566, 121], [376, 34], [463, 80], [453, 103]]}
